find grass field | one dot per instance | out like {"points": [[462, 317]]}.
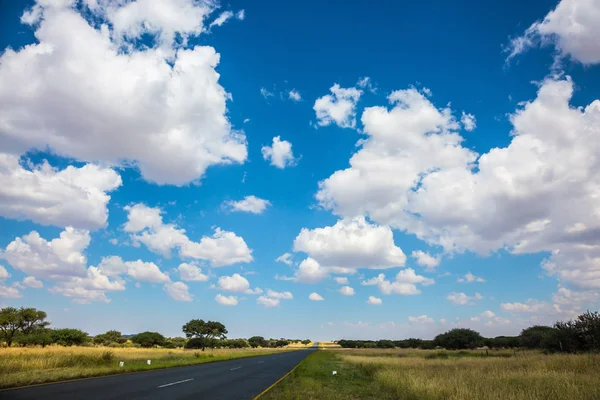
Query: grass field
{"points": [[26, 366], [441, 375]]}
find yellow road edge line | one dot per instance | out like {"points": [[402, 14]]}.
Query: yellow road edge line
{"points": [[118, 373], [279, 380]]}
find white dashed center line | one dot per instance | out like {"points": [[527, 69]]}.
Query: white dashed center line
{"points": [[175, 383], [260, 362], [233, 369]]}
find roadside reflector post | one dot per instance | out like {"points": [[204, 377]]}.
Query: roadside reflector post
{"points": [[149, 362], [121, 363], [334, 372]]}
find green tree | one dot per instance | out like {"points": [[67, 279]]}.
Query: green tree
{"points": [[532, 337], [149, 339], [109, 337], [257, 341], [306, 342], [69, 337], [32, 319], [207, 331], [24, 320], [39, 337], [458, 338], [10, 323]]}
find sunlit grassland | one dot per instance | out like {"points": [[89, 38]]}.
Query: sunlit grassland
{"points": [[437, 375], [25, 366]]}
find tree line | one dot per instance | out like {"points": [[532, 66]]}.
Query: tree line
{"points": [[28, 327], [581, 334]]}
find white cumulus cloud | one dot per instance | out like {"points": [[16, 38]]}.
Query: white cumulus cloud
{"points": [[250, 204], [178, 291], [158, 107], [70, 197], [280, 153], [573, 27], [191, 272], [374, 300], [226, 300], [346, 291], [338, 108], [315, 297]]}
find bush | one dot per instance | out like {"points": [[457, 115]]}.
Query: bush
{"points": [[459, 338], [149, 339], [69, 337], [532, 337]]}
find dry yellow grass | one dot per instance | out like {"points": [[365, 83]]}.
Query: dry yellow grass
{"points": [[526, 376], [25, 366], [447, 375]]}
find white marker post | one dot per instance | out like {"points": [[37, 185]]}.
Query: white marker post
{"points": [[148, 362], [121, 363], [334, 373]]}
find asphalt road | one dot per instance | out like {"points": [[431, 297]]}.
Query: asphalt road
{"points": [[235, 379]]}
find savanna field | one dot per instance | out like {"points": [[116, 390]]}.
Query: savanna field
{"points": [[442, 375]]}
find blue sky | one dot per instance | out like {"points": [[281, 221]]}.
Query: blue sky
{"points": [[180, 157]]}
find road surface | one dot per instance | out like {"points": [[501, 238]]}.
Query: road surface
{"points": [[243, 378]]}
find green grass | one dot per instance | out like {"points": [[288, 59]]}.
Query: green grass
{"points": [[27, 366], [313, 379], [441, 375]]}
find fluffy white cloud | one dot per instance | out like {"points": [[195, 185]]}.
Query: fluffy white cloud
{"points": [[488, 314], [351, 243], [191, 272], [374, 300], [573, 27], [469, 122], [114, 266], [140, 217], [60, 258], [178, 291], [3, 273], [251, 204], [463, 299], [221, 19], [405, 283], [285, 258], [221, 249], [70, 197], [339, 107], [240, 15], [315, 297], [422, 319], [226, 300], [31, 282], [469, 277], [531, 306], [279, 153], [426, 259], [8, 292], [294, 95], [538, 194], [147, 272], [279, 295], [347, 291], [160, 108], [267, 302], [341, 280], [234, 283], [310, 271]]}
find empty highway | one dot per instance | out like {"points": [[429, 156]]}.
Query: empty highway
{"points": [[234, 379]]}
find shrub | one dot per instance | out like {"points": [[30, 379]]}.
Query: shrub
{"points": [[149, 339], [459, 338], [69, 337]]}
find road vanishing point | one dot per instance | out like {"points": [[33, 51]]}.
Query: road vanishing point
{"points": [[243, 378]]}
